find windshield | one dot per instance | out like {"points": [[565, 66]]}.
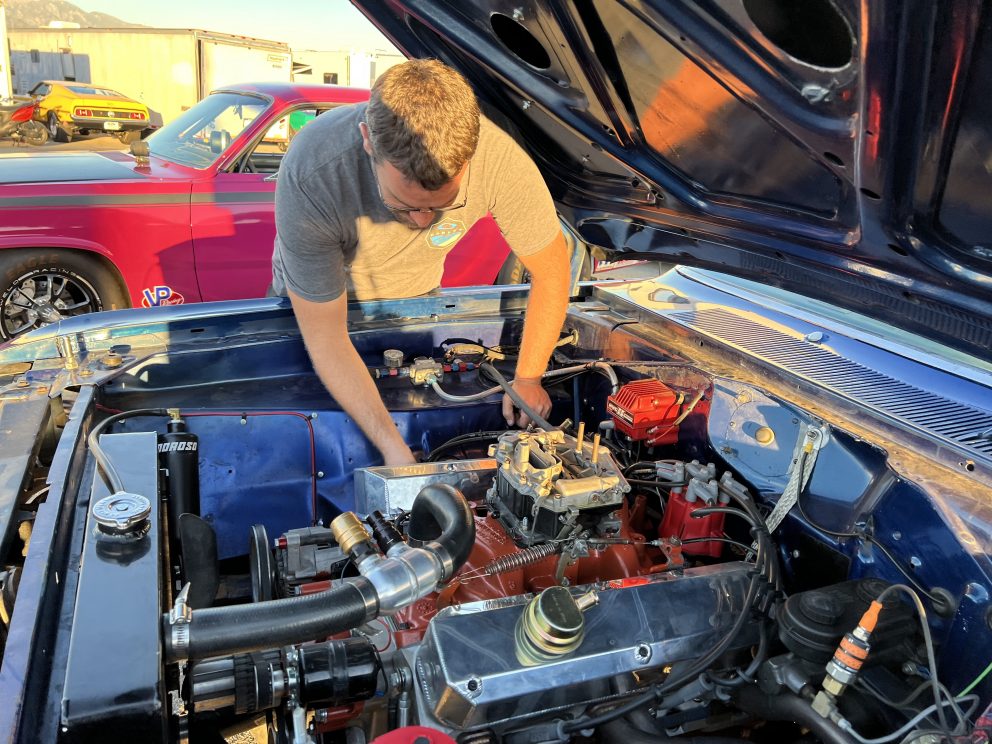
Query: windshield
{"points": [[197, 138]]}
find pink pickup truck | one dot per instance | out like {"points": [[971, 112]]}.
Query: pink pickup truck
{"points": [[191, 222]]}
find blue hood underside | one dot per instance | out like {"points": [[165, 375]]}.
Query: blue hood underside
{"points": [[835, 148]]}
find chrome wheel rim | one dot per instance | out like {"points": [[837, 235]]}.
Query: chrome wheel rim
{"points": [[53, 124], [41, 297]]}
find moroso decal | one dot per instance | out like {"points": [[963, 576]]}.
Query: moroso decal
{"points": [[160, 295], [177, 446]]}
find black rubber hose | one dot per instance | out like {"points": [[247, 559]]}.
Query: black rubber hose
{"points": [[789, 707], [461, 442], [441, 514], [200, 566], [620, 730], [517, 400], [217, 631]]}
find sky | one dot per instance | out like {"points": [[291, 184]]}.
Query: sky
{"points": [[303, 24]]}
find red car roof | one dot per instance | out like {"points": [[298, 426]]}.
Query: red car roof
{"points": [[301, 92]]}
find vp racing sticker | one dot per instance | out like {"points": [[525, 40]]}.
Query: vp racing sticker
{"points": [[160, 295]]}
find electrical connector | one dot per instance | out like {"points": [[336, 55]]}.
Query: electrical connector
{"points": [[844, 667]]}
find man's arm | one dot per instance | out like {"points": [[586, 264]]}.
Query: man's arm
{"points": [[325, 332], [550, 278]]}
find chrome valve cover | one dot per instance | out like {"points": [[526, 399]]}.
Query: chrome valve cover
{"points": [[468, 673]]}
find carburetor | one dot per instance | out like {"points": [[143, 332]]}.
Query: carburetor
{"points": [[547, 482]]}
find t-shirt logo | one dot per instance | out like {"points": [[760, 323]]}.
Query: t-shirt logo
{"points": [[445, 233]]}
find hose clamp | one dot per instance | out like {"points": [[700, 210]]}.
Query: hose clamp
{"points": [[443, 557], [180, 617], [368, 593]]}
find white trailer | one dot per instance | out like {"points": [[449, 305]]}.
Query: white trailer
{"points": [[167, 69]]}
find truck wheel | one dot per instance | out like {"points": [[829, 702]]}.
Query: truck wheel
{"points": [[55, 129], [42, 286]]}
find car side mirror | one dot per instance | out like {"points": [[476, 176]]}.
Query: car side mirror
{"points": [[220, 140]]}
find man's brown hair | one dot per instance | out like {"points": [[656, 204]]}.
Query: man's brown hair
{"points": [[423, 119]]}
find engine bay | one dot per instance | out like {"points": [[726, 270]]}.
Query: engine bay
{"points": [[679, 556]]}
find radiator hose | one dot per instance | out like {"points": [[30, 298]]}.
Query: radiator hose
{"points": [[444, 527], [218, 631], [441, 514]]}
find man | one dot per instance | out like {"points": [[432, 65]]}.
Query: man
{"points": [[370, 199]]}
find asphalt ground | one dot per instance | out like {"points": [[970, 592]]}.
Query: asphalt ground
{"points": [[91, 142]]}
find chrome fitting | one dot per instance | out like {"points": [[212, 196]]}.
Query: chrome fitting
{"points": [[401, 578]]}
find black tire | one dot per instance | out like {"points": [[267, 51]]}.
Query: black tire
{"points": [[55, 129], [128, 137], [43, 285], [513, 272]]}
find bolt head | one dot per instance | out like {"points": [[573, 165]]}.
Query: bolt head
{"points": [[832, 686]]}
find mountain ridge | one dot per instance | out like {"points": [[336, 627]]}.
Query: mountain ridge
{"points": [[40, 13]]}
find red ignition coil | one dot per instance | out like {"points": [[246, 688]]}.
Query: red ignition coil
{"points": [[646, 411]]}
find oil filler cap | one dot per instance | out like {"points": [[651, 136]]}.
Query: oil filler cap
{"points": [[122, 513]]}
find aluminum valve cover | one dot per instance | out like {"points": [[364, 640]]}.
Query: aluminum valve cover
{"points": [[468, 673]]}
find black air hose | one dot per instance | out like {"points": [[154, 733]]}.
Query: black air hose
{"points": [[786, 706], [217, 631], [619, 730], [441, 514]]}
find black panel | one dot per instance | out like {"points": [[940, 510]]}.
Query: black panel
{"points": [[966, 211], [701, 128], [21, 422], [114, 690]]}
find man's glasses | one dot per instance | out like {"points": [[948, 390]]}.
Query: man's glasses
{"points": [[422, 210]]}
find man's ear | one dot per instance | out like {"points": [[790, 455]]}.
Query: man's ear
{"points": [[366, 141]]}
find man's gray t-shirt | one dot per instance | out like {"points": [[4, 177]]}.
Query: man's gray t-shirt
{"points": [[333, 233]]}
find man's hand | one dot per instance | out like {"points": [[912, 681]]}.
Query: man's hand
{"points": [[533, 394]]}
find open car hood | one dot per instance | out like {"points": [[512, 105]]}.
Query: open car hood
{"points": [[836, 148]]}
